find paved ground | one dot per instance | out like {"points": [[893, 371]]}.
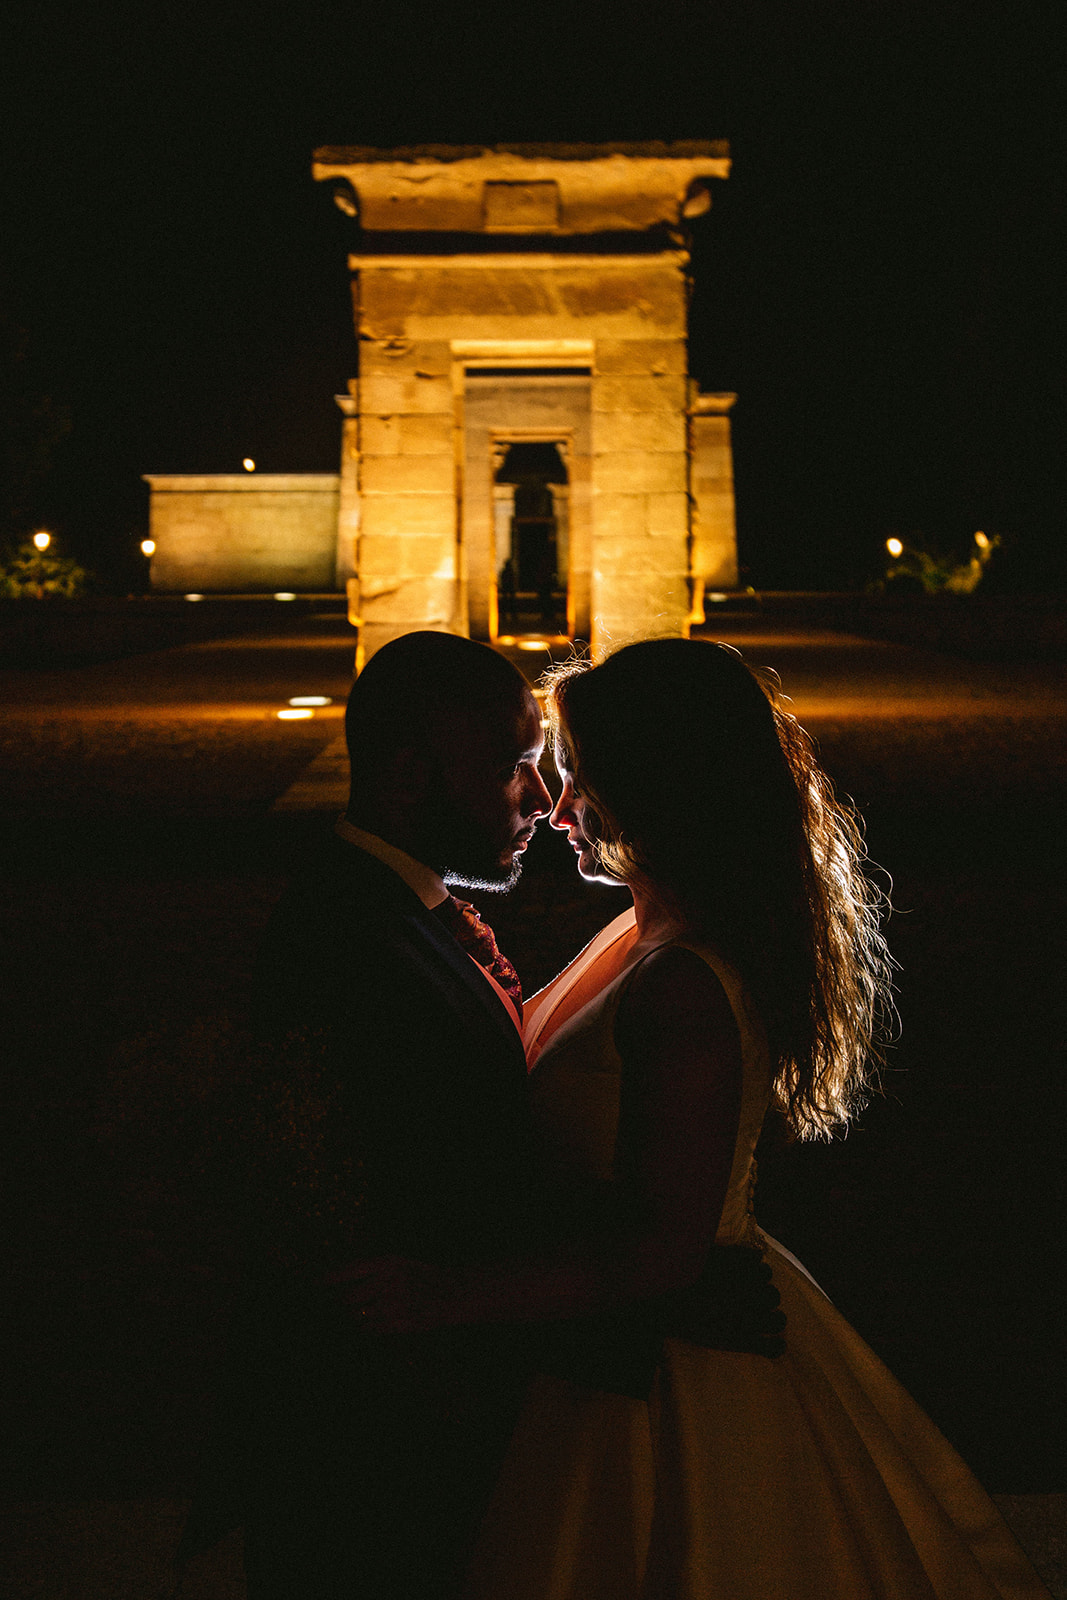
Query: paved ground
{"points": [[144, 845]]}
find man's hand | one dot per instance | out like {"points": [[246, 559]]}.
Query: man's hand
{"points": [[733, 1306], [394, 1295]]}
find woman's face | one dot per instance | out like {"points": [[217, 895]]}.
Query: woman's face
{"points": [[572, 816]]}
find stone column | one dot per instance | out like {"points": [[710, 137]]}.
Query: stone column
{"points": [[347, 568], [640, 584], [714, 548], [409, 573]]}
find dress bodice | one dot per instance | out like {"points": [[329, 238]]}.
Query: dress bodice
{"points": [[576, 1075]]}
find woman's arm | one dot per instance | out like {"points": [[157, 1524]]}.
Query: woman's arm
{"points": [[680, 1106]]}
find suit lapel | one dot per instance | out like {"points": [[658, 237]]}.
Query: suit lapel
{"points": [[439, 948], [445, 963]]}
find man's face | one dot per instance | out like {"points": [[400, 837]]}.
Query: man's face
{"points": [[490, 796]]}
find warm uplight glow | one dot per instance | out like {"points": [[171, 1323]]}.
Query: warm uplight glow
{"points": [[894, 547], [42, 540], [295, 714], [248, 464], [148, 547], [283, 594], [311, 700], [982, 540], [533, 644], [717, 598], [194, 597]]}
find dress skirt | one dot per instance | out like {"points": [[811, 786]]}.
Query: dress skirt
{"points": [[812, 1477]]}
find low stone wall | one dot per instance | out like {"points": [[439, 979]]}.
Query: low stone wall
{"points": [[244, 532]]}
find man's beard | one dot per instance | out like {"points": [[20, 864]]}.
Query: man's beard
{"points": [[463, 855], [468, 878]]}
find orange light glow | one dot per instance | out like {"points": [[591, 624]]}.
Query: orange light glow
{"points": [[148, 547], [311, 700], [194, 597], [248, 464], [295, 714], [894, 547], [42, 540], [284, 594], [982, 540]]}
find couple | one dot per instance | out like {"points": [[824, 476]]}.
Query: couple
{"points": [[527, 1349]]}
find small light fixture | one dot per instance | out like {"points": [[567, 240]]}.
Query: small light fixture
{"points": [[311, 700], [148, 547], [248, 464], [42, 540], [533, 644], [283, 594], [894, 547], [295, 714], [716, 597], [194, 597], [982, 540]]}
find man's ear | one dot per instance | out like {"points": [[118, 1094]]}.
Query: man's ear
{"points": [[409, 775]]}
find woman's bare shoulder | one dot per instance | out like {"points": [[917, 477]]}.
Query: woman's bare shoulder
{"points": [[674, 991]]}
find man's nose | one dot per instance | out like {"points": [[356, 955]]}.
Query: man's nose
{"points": [[537, 792]]}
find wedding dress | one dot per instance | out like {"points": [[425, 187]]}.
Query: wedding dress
{"points": [[811, 1477]]}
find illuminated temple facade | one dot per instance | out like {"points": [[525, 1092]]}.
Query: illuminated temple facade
{"points": [[523, 449]]}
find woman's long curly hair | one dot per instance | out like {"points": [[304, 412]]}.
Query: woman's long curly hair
{"points": [[705, 789]]}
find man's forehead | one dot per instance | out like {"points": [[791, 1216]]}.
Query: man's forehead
{"points": [[505, 727], [519, 726]]}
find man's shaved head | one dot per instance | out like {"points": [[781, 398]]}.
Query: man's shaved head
{"points": [[419, 688], [444, 737]]}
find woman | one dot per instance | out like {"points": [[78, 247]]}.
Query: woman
{"points": [[749, 972]]}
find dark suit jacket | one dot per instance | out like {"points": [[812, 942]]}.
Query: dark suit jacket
{"points": [[326, 1434], [431, 1062]]}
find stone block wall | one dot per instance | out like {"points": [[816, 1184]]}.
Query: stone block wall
{"points": [[641, 472], [408, 566], [244, 533], [714, 551], [421, 556]]}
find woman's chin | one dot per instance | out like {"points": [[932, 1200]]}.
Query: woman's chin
{"points": [[590, 871]]}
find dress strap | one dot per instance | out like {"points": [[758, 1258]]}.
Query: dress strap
{"points": [[542, 1007]]}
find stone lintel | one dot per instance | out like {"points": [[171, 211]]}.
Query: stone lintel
{"points": [[580, 351], [537, 261], [704, 405], [532, 189]]}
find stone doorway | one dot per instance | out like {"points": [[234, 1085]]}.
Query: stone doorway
{"points": [[526, 502], [530, 524]]}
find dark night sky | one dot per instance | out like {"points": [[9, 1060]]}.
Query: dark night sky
{"points": [[880, 279]]}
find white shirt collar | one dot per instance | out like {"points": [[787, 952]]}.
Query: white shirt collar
{"points": [[425, 882]]}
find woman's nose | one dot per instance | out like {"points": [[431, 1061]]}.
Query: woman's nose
{"points": [[563, 811]]}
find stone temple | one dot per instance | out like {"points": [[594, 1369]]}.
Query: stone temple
{"points": [[523, 450]]}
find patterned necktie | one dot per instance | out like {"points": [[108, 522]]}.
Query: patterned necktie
{"points": [[468, 930]]}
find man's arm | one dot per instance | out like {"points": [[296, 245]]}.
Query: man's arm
{"points": [[678, 1127]]}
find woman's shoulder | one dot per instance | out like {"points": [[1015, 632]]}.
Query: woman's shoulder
{"points": [[685, 985], [676, 987]]}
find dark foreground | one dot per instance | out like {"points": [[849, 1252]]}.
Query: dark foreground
{"points": [[142, 857]]}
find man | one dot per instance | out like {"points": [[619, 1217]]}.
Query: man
{"points": [[359, 1464]]}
